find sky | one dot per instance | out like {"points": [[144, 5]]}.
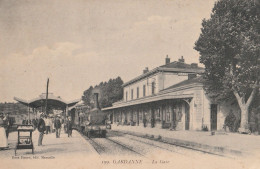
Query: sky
{"points": [[84, 42]]}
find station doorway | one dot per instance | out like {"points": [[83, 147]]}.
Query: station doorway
{"points": [[213, 116], [187, 116]]}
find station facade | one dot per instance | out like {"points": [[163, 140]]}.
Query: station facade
{"points": [[170, 96]]}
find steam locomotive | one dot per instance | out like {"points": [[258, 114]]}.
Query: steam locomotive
{"points": [[95, 122]]}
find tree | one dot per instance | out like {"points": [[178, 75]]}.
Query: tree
{"points": [[229, 48], [109, 92], [87, 97]]}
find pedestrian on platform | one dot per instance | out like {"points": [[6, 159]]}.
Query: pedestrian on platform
{"points": [[144, 121], [52, 125], [41, 128], [57, 125], [24, 122], [48, 124], [69, 127], [65, 122], [7, 124], [3, 138], [152, 122]]}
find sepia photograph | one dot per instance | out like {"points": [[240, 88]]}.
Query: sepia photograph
{"points": [[129, 84]]}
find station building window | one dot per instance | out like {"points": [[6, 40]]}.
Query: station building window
{"points": [[153, 87], [137, 92], [144, 90], [126, 95], [132, 94]]}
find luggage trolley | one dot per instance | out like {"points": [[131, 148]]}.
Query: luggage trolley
{"points": [[24, 140]]}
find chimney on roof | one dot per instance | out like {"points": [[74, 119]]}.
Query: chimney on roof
{"points": [[194, 65], [181, 59], [167, 60], [145, 70]]}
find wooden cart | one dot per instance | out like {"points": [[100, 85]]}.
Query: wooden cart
{"points": [[24, 137]]}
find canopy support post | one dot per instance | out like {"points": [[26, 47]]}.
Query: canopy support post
{"points": [[28, 113]]}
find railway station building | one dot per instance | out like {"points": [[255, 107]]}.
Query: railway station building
{"points": [[170, 96]]}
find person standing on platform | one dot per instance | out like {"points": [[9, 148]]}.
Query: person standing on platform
{"points": [[48, 124], [144, 121], [7, 123], [3, 138], [41, 128], [23, 122], [69, 127], [52, 125], [57, 125]]}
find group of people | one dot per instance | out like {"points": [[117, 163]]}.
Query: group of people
{"points": [[44, 123], [4, 130], [49, 124]]}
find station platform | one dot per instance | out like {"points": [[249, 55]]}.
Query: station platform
{"points": [[76, 152], [63, 152], [52, 146], [223, 143]]}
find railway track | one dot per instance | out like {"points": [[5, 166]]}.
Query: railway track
{"points": [[98, 147], [117, 145], [151, 144], [170, 144], [125, 146], [101, 150], [101, 145]]}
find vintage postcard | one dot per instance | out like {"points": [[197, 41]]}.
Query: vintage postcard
{"points": [[88, 84]]}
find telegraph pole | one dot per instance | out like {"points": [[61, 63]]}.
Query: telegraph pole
{"points": [[46, 102]]}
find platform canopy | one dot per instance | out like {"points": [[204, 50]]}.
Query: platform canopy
{"points": [[54, 102]]}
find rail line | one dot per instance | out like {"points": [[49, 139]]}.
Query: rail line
{"points": [[151, 144], [125, 146], [185, 147], [101, 149]]}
